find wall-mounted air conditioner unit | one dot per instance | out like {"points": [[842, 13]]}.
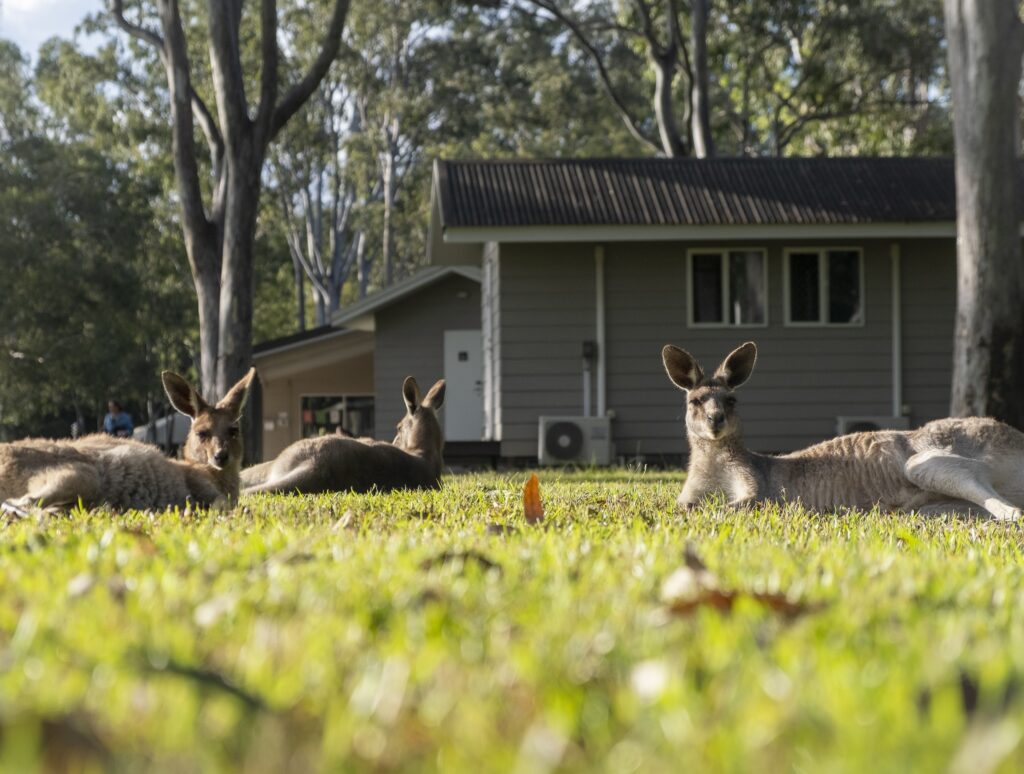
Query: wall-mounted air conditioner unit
{"points": [[863, 424], [575, 440]]}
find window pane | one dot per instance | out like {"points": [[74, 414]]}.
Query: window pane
{"points": [[707, 287], [359, 416], [747, 293], [325, 414], [844, 302], [804, 299]]}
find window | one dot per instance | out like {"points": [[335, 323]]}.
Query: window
{"points": [[824, 286], [728, 287], [324, 414]]}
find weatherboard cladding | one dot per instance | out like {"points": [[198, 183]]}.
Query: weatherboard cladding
{"points": [[672, 192]]}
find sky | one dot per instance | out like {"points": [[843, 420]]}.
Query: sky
{"points": [[29, 22]]}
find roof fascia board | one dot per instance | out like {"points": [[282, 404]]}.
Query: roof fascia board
{"points": [[382, 298], [304, 343]]}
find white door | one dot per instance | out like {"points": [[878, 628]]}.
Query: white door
{"points": [[464, 386]]}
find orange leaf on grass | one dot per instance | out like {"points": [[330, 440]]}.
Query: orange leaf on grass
{"points": [[693, 586], [533, 509]]}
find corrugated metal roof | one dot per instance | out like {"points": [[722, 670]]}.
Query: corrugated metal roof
{"points": [[672, 192]]}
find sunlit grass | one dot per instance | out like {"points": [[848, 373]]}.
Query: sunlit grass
{"points": [[436, 630]]}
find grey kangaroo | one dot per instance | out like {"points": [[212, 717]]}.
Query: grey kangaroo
{"points": [[122, 473], [338, 462], [971, 465]]}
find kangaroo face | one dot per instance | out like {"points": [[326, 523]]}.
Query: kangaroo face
{"points": [[419, 430], [215, 438], [710, 403], [711, 412]]}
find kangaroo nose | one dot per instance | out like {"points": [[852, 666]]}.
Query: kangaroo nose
{"points": [[221, 457]]}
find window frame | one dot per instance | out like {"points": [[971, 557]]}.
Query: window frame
{"points": [[723, 254], [823, 286]]}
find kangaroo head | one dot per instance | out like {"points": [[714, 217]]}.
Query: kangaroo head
{"points": [[215, 438], [710, 403], [420, 431]]}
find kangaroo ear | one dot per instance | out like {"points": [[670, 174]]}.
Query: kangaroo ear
{"points": [[235, 400], [182, 395], [681, 367], [736, 367], [435, 396], [411, 393]]}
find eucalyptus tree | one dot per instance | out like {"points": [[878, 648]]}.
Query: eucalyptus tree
{"points": [[317, 199], [985, 45], [218, 215]]}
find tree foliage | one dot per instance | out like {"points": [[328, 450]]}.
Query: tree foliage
{"points": [[92, 304]]}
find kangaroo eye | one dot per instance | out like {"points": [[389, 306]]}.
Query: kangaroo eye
{"points": [[204, 435], [233, 432], [694, 401], [730, 401]]}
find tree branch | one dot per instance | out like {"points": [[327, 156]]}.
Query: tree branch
{"points": [[301, 91], [210, 130], [136, 30], [174, 56], [606, 82], [228, 83], [268, 72]]}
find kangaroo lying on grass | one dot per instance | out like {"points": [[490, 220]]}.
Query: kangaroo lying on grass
{"points": [[945, 466], [122, 473], [337, 462]]}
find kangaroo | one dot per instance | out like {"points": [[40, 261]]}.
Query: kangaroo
{"points": [[332, 463], [949, 465], [124, 474]]}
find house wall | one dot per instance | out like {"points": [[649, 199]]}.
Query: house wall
{"points": [[283, 389], [929, 303], [804, 379], [410, 341], [547, 300]]}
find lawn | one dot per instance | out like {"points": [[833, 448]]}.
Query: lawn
{"points": [[439, 630]]}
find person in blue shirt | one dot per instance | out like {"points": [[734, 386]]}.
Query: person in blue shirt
{"points": [[117, 421]]}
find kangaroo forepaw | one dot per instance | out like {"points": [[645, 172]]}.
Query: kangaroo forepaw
{"points": [[1008, 514], [12, 509]]}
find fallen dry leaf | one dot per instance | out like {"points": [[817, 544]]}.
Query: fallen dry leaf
{"points": [[143, 539], [533, 509], [693, 586]]}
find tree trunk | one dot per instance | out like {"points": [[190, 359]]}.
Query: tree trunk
{"points": [[206, 279], [388, 244], [700, 113], [320, 310], [237, 280], [672, 144], [364, 262], [299, 275], [984, 40]]}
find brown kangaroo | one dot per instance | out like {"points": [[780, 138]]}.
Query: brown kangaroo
{"points": [[949, 465], [333, 463], [122, 473]]}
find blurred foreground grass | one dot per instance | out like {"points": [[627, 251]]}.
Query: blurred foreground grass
{"points": [[438, 631]]}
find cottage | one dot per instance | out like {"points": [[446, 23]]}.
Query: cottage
{"points": [[349, 374], [556, 283], [842, 270]]}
